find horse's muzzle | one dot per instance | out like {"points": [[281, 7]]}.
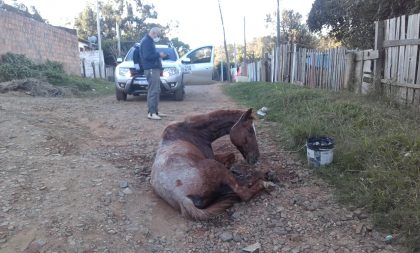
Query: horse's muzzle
{"points": [[252, 159]]}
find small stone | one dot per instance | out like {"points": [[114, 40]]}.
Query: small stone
{"points": [[123, 184], [127, 191], [254, 248], [35, 246], [359, 228], [236, 237], [111, 231], [226, 236], [388, 239], [236, 215], [347, 217]]}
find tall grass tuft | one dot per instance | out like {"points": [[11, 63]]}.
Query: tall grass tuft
{"points": [[377, 153], [16, 66]]}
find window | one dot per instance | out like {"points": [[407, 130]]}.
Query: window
{"points": [[201, 55]]}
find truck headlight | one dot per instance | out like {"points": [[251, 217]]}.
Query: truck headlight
{"points": [[170, 71], [124, 72]]}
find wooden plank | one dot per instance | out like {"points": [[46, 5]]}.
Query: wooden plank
{"points": [[335, 69], [404, 85], [417, 62], [273, 65], [392, 36], [387, 66], [401, 62], [414, 48], [343, 68], [407, 51], [340, 70], [395, 52], [327, 70], [304, 50], [370, 54], [294, 64], [397, 43]]}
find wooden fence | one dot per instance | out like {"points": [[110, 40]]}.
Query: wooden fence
{"points": [[313, 68], [397, 39], [392, 67]]}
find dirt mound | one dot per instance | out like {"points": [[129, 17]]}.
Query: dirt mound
{"points": [[35, 87]]}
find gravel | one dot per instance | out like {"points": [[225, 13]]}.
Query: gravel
{"points": [[75, 178]]}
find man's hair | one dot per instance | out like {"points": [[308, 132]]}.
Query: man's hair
{"points": [[155, 30]]}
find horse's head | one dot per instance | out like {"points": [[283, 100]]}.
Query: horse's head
{"points": [[243, 137]]}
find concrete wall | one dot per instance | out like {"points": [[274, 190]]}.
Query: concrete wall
{"points": [[38, 41], [91, 64]]}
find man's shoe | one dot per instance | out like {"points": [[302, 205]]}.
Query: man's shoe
{"points": [[153, 116]]}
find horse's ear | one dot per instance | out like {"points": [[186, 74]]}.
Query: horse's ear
{"points": [[247, 115]]}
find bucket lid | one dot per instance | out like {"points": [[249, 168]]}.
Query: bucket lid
{"points": [[318, 143]]}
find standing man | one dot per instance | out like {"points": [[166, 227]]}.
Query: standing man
{"points": [[152, 65]]}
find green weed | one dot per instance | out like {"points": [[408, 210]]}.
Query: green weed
{"points": [[377, 153], [16, 66]]}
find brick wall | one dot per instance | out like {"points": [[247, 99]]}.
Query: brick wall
{"points": [[38, 41]]}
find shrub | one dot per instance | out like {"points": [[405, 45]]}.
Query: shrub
{"points": [[377, 152], [16, 66]]}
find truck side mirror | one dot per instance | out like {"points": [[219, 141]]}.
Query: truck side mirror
{"points": [[186, 60]]}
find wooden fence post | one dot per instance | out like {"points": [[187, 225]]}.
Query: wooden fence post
{"points": [[349, 71], [293, 69], [379, 63], [93, 68], [84, 67]]}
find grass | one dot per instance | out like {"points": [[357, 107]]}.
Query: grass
{"points": [[16, 66], [377, 153]]}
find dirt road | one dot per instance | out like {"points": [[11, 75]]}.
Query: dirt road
{"points": [[74, 177]]}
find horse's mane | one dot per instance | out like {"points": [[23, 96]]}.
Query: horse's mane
{"points": [[198, 121]]}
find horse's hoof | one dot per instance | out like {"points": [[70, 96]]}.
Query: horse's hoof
{"points": [[269, 185]]}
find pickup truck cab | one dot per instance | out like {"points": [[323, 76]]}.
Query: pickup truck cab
{"points": [[195, 67]]}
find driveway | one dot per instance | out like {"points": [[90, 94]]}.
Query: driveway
{"points": [[74, 177]]}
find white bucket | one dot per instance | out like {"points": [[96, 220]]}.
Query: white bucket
{"points": [[319, 151]]}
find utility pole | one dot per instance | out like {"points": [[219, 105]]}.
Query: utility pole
{"points": [[98, 26], [226, 49], [117, 28], [278, 24], [244, 42]]}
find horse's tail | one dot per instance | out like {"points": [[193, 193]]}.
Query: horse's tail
{"points": [[189, 209]]}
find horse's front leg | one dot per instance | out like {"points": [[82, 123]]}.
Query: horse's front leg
{"points": [[226, 159], [244, 192], [216, 174]]}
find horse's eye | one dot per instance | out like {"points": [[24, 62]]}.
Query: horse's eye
{"points": [[251, 130]]}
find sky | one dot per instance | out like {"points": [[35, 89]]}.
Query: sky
{"points": [[199, 20]]}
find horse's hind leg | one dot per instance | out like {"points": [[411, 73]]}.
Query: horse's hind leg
{"points": [[243, 191], [216, 174], [226, 159]]}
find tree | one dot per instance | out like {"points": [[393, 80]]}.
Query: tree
{"points": [[352, 22], [86, 23], [181, 47], [22, 9], [133, 19], [292, 29]]}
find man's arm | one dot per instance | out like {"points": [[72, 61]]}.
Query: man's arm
{"points": [[149, 53]]}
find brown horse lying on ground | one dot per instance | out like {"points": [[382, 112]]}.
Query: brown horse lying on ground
{"points": [[190, 177]]}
